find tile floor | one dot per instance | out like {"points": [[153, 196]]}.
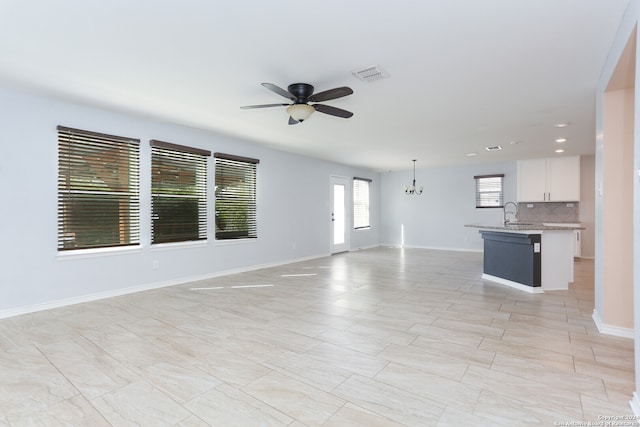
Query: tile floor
{"points": [[381, 337]]}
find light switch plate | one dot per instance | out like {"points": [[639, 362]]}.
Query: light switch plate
{"points": [[536, 248]]}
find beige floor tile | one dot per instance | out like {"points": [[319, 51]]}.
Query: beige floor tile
{"points": [[76, 411], [511, 411], [446, 335], [355, 342], [350, 360], [396, 404], [552, 359], [139, 404], [619, 380], [417, 357], [531, 369], [230, 407], [231, 368], [307, 404], [193, 421], [444, 391], [380, 331], [180, 382], [92, 371], [383, 336], [321, 374], [459, 352], [129, 349], [353, 416], [594, 408], [555, 345], [523, 393], [30, 383], [298, 326], [469, 326], [475, 317]]}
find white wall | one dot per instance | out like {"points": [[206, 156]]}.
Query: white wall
{"points": [[293, 209], [436, 218]]}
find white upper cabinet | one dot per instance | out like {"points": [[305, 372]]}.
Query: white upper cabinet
{"points": [[555, 179], [532, 180]]}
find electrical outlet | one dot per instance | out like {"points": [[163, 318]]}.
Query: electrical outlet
{"points": [[569, 205], [155, 264], [530, 205]]}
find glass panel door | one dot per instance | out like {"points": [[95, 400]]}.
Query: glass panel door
{"points": [[339, 217]]}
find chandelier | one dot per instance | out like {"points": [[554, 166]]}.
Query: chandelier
{"points": [[412, 189]]}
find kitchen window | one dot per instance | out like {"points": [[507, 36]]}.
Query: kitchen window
{"points": [[178, 193], [235, 183], [98, 190], [489, 191], [361, 203]]}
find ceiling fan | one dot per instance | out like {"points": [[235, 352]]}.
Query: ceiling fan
{"points": [[301, 94]]}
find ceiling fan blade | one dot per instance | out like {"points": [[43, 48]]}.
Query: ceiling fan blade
{"points": [[338, 92], [293, 121], [338, 112], [279, 91], [248, 107]]}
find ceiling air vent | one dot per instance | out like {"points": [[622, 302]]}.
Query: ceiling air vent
{"points": [[370, 74], [494, 148]]}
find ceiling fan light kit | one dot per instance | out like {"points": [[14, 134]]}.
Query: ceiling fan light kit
{"points": [[301, 94], [300, 112]]}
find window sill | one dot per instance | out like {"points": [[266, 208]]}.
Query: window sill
{"points": [[97, 252], [224, 242], [178, 245]]}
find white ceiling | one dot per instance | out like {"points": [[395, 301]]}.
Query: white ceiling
{"points": [[464, 74]]}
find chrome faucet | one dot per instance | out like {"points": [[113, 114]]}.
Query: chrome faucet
{"points": [[515, 213]]}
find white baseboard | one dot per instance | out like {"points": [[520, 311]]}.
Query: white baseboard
{"points": [[140, 288], [435, 248], [617, 331], [512, 284], [362, 248], [635, 404]]}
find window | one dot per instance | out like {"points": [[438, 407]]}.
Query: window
{"points": [[178, 193], [361, 203], [98, 190], [235, 197], [489, 191]]}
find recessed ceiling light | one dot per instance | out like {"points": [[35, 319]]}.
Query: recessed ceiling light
{"points": [[562, 124], [560, 150], [494, 148], [561, 140], [471, 154]]}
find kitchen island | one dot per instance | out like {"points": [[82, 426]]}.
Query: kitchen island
{"points": [[532, 257]]}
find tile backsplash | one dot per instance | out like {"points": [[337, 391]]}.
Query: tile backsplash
{"points": [[549, 212]]}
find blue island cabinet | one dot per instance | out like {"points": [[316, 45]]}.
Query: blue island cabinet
{"points": [[513, 257]]}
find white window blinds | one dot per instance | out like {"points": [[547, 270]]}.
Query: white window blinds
{"points": [[236, 210], [98, 190], [361, 203], [489, 192], [178, 192]]}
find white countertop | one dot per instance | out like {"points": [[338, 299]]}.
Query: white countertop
{"points": [[528, 226]]}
